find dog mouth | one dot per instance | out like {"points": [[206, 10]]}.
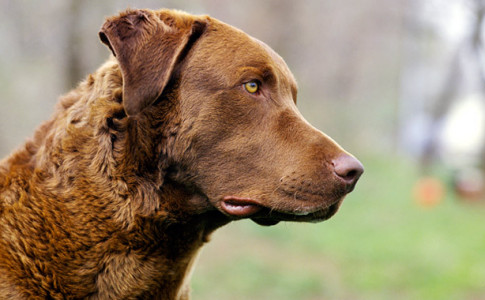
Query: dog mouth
{"points": [[240, 208]]}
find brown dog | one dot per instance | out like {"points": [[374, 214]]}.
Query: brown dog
{"points": [[192, 124]]}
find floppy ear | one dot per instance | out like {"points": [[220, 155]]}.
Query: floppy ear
{"points": [[147, 50]]}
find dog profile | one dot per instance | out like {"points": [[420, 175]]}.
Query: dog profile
{"points": [[190, 124]]}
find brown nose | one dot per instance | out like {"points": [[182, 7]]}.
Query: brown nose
{"points": [[348, 169]]}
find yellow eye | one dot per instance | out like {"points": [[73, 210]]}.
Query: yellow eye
{"points": [[251, 86]]}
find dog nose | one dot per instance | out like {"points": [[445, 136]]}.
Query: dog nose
{"points": [[348, 169]]}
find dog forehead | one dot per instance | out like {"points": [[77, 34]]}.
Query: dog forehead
{"points": [[278, 60], [224, 47]]}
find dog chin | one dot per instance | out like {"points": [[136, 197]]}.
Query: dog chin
{"points": [[265, 222], [274, 217]]}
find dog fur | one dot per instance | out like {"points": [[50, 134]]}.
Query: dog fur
{"points": [[114, 195]]}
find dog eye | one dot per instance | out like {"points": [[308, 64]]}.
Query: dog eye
{"points": [[252, 87]]}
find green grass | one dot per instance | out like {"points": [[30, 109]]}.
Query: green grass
{"points": [[381, 245]]}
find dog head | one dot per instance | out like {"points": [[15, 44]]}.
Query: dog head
{"points": [[238, 137]]}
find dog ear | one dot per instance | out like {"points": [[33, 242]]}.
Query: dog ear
{"points": [[147, 49]]}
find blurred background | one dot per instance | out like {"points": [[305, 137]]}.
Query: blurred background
{"points": [[400, 84]]}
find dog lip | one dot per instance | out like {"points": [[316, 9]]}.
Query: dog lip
{"points": [[240, 207]]}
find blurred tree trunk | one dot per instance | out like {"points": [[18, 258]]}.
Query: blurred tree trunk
{"points": [[439, 111], [73, 66], [477, 42], [452, 84]]}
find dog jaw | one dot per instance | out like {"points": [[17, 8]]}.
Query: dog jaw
{"points": [[239, 207]]}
